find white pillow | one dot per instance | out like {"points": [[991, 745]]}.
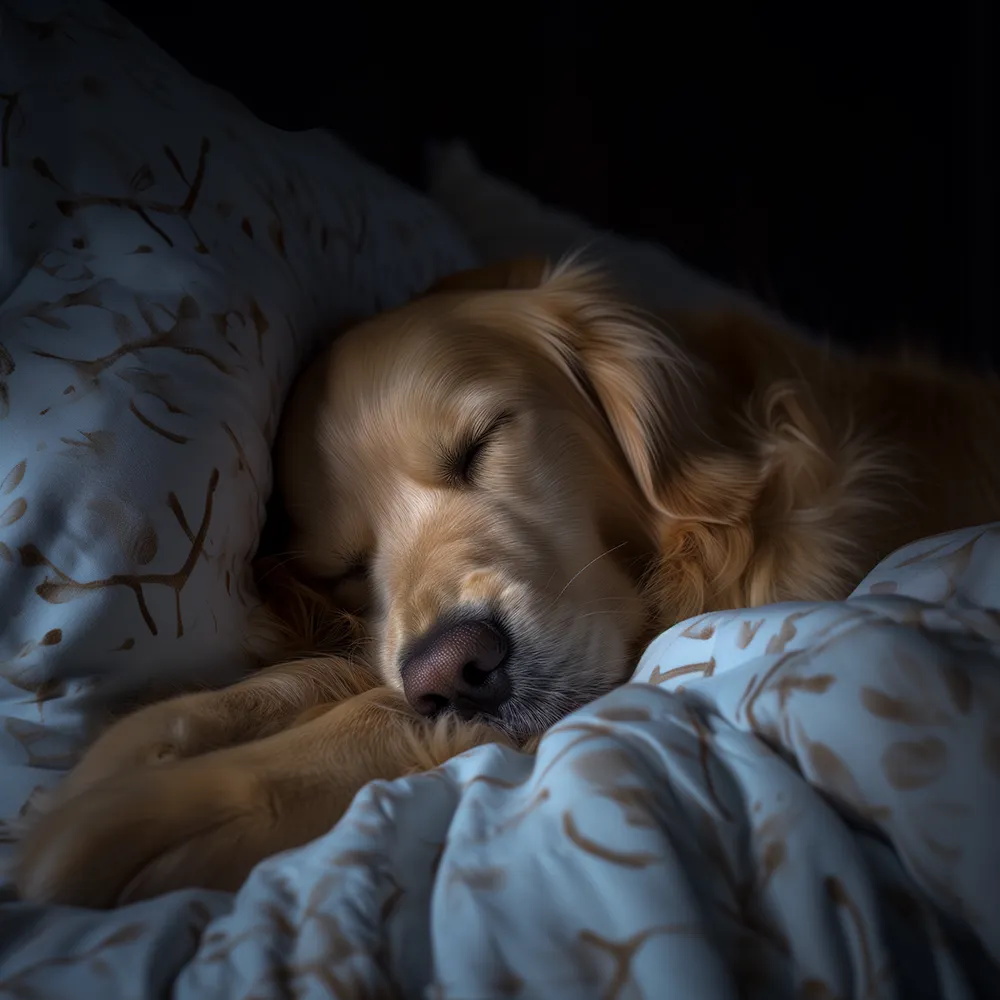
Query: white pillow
{"points": [[166, 263], [502, 222]]}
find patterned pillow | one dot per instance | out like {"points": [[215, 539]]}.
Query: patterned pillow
{"points": [[166, 262]]}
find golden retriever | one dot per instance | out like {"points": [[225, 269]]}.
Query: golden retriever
{"points": [[498, 494]]}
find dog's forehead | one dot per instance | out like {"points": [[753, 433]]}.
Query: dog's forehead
{"points": [[433, 361]]}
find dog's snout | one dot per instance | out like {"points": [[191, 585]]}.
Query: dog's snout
{"points": [[458, 666]]}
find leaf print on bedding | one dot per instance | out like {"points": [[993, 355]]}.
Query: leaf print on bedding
{"points": [[911, 764]]}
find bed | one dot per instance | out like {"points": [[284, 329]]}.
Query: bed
{"points": [[793, 801]]}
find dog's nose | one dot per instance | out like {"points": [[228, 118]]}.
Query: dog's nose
{"points": [[458, 666]]}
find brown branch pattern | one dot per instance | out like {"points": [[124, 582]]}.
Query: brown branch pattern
{"points": [[20, 984], [335, 948], [158, 339], [62, 587], [146, 208], [154, 427], [48, 312], [623, 953]]}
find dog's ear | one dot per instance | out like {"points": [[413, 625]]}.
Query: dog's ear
{"points": [[656, 398], [522, 273]]}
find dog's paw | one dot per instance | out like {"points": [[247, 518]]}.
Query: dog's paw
{"points": [[130, 832], [167, 731], [147, 832]]}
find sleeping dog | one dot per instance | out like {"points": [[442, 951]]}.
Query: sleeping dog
{"points": [[498, 494]]}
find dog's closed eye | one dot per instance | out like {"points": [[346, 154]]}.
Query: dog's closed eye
{"points": [[462, 465], [357, 569], [350, 585]]}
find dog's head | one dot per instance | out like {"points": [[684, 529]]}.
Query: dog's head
{"points": [[472, 474]]}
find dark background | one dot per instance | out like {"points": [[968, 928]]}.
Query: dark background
{"points": [[832, 158]]}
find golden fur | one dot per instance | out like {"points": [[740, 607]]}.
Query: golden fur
{"points": [[629, 473]]}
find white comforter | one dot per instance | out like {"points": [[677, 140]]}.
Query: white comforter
{"points": [[794, 801]]}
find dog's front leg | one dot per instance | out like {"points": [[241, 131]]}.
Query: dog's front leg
{"points": [[193, 724], [206, 822]]}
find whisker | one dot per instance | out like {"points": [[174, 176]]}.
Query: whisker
{"points": [[605, 600], [289, 557], [287, 552], [583, 569]]}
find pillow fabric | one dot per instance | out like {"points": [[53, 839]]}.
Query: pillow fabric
{"points": [[166, 263]]}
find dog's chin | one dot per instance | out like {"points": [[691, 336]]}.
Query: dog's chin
{"points": [[548, 689], [523, 719]]}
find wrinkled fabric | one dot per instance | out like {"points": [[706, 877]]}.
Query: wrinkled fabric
{"points": [[167, 263], [792, 801]]}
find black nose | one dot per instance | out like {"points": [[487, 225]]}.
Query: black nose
{"points": [[458, 665]]}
